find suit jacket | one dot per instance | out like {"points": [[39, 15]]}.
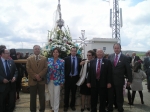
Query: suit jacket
{"points": [[129, 59], [13, 72], [146, 65], [105, 73], [120, 70], [36, 67], [136, 58], [57, 70], [68, 67]]}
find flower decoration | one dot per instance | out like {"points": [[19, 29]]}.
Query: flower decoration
{"points": [[63, 40]]}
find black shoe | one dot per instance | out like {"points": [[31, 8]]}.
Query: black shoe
{"points": [[88, 109], [82, 110], [116, 107], [73, 108], [65, 109], [130, 103], [142, 102]]}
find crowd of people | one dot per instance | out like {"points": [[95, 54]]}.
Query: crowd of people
{"points": [[101, 78]]}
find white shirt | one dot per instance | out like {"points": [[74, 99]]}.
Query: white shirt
{"points": [[97, 63], [118, 56]]}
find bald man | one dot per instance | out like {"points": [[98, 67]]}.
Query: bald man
{"points": [[99, 79]]}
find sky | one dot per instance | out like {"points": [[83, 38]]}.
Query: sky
{"points": [[24, 23]]}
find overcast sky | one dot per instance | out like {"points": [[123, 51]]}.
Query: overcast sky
{"points": [[24, 23]]}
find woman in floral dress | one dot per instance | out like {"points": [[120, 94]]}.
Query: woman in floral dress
{"points": [[55, 78]]}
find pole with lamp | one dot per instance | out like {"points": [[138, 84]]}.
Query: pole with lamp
{"points": [[83, 39]]}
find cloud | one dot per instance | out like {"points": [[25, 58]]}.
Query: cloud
{"points": [[25, 23]]}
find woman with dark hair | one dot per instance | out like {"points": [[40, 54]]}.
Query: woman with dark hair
{"points": [[20, 75], [84, 90], [138, 77], [55, 78]]}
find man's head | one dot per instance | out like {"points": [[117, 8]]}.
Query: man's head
{"points": [[27, 53], [36, 49], [73, 51], [5, 53], [2, 47], [133, 54], [148, 53], [117, 48], [99, 53], [127, 54]]}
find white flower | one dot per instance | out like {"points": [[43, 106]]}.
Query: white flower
{"points": [[65, 39], [63, 49]]}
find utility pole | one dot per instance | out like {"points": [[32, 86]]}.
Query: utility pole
{"points": [[116, 20]]}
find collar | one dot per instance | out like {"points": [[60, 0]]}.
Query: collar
{"points": [[118, 54], [38, 56], [3, 59], [73, 57], [99, 59]]}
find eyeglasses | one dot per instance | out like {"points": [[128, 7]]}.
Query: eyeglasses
{"points": [[6, 53], [88, 55]]}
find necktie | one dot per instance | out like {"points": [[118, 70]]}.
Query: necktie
{"points": [[116, 60], [7, 70], [72, 66], [98, 70], [36, 57]]}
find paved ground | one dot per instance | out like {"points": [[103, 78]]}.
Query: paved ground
{"points": [[22, 105]]}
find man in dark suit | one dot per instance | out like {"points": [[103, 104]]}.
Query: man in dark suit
{"points": [[147, 69], [8, 75], [134, 58], [99, 79], [72, 70], [129, 57], [120, 67]]}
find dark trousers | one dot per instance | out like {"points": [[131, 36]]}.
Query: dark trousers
{"points": [[9, 94], [116, 91], [40, 89], [141, 96], [101, 93], [148, 79], [70, 86]]}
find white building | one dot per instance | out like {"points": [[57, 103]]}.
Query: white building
{"points": [[100, 43]]}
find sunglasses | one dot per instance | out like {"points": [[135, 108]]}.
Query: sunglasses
{"points": [[88, 55]]}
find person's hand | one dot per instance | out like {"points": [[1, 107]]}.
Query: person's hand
{"points": [[5, 81], [38, 78], [88, 85], [108, 85], [13, 79], [82, 63], [128, 84]]}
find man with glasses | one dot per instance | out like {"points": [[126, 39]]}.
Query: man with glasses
{"points": [[8, 75]]}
